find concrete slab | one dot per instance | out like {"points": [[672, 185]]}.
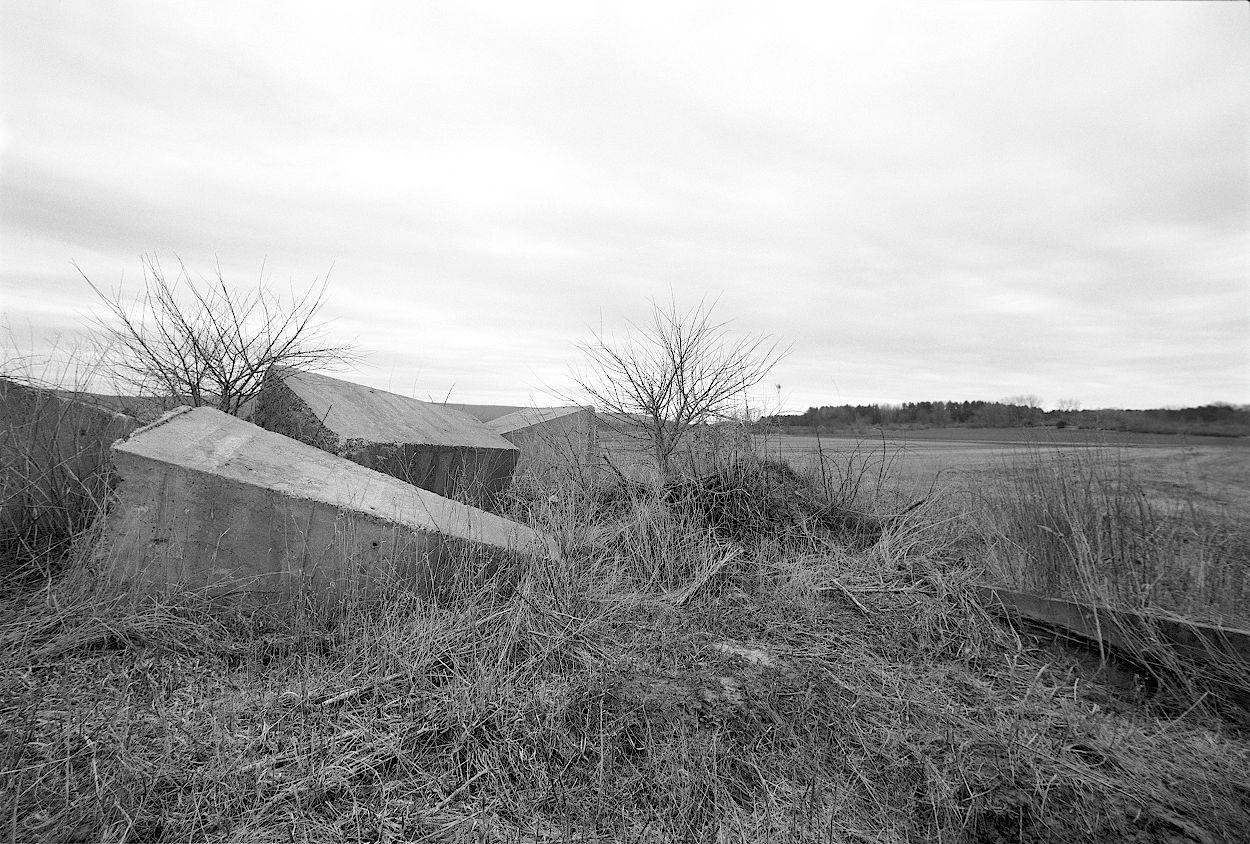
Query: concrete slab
{"points": [[526, 423], [54, 457], [484, 412], [144, 409], [551, 439], [428, 445], [1124, 629], [207, 500]]}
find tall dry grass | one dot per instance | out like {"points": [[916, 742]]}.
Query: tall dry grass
{"points": [[1083, 524], [54, 467], [660, 682]]}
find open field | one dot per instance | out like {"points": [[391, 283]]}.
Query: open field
{"points": [[1139, 521], [1035, 435], [1212, 470], [659, 682], [1155, 521]]}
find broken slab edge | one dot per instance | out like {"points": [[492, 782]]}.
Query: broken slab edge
{"points": [[1123, 629]]}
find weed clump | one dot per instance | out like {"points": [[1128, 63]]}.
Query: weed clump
{"points": [[749, 500]]}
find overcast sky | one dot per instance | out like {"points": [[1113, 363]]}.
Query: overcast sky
{"points": [[929, 200]]}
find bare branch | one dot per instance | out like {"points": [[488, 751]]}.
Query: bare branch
{"points": [[679, 370], [209, 344]]}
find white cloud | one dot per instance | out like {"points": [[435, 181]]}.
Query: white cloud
{"points": [[953, 200]]}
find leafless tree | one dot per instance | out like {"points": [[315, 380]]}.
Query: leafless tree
{"points": [[209, 343], [681, 369], [1023, 411]]}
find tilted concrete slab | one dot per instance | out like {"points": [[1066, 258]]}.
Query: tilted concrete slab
{"points": [[551, 439], [1124, 629], [207, 500], [504, 419], [428, 445], [54, 456], [484, 412], [529, 417], [568, 430]]}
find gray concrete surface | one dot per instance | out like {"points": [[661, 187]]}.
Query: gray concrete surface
{"points": [[207, 500], [428, 445], [530, 417], [563, 424], [54, 457], [144, 409], [542, 432], [484, 412], [551, 439]]}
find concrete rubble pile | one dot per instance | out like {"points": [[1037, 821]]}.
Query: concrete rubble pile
{"points": [[431, 446], [207, 500], [566, 427], [573, 424]]}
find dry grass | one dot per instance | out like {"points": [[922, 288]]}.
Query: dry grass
{"points": [[661, 683], [1084, 524], [54, 470]]}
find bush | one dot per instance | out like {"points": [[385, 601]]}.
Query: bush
{"points": [[751, 499]]}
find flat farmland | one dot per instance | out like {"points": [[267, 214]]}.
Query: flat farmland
{"points": [[1211, 471]]}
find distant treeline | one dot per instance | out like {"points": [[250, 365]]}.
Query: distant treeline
{"points": [[1211, 419]]}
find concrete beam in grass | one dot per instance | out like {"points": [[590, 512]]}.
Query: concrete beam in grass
{"points": [[208, 501], [428, 445], [1124, 629]]}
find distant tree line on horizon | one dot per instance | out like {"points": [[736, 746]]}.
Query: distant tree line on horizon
{"points": [[1211, 419]]}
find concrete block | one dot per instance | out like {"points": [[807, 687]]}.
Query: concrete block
{"points": [[552, 425], [546, 435], [484, 412], [207, 500], [428, 445], [54, 457]]}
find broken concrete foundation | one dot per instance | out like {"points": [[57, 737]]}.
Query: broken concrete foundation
{"points": [[571, 425], [554, 441], [544, 434], [483, 412], [208, 501], [54, 456], [428, 445]]}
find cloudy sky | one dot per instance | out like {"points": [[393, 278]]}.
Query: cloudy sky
{"points": [[929, 200]]}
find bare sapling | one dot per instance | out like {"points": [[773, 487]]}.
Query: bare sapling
{"points": [[660, 380], [209, 343]]}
